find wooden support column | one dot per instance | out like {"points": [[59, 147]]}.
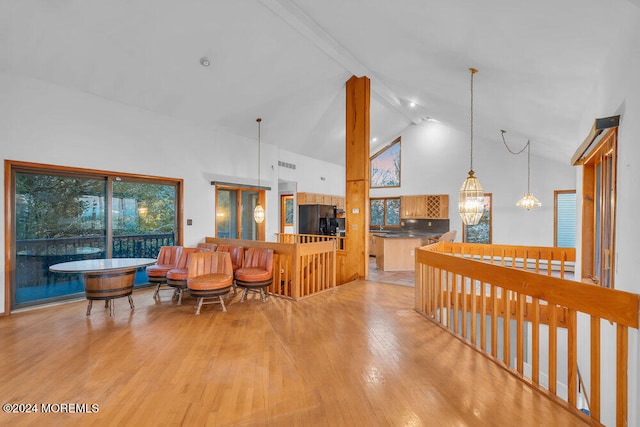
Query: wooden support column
{"points": [[356, 265]]}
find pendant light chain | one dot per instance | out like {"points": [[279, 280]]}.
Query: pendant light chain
{"points": [[527, 147], [259, 120], [529, 200], [528, 167], [473, 71]]}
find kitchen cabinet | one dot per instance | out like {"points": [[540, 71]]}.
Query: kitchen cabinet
{"points": [[320, 199], [397, 253], [428, 206], [372, 244]]}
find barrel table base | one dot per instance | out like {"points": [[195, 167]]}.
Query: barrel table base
{"points": [[108, 285]]}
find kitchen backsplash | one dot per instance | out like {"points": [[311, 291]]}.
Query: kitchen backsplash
{"points": [[425, 225]]}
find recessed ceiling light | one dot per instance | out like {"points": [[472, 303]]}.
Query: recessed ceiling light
{"points": [[204, 61], [374, 139], [412, 104]]}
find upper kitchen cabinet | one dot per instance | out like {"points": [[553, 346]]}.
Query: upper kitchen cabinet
{"points": [[427, 206], [320, 199]]}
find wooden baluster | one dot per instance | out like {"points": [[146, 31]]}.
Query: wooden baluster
{"points": [[474, 312], [494, 321], [483, 317], [622, 357], [572, 356], [441, 280], [463, 294], [594, 408], [506, 297], [553, 348], [448, 300], [535, 341], [454, 296], [520, 333]]}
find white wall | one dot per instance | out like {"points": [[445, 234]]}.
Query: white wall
{"points": [[617, 91], [435, 160], [45, 123]]}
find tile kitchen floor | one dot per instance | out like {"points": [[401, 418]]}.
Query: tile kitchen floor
{"points": [[404, 278]]}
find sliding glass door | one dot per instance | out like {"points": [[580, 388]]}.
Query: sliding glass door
{"points": [[63, 215], [58, 219]]}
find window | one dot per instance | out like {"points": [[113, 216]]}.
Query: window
{"points": [[64, 214], [481, 232], [598, 210], [564, 230], [234, 213], [385, 212], [287, 205], [385, 166]]}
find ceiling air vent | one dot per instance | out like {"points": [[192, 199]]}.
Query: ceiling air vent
{"points": [[286, 165]]}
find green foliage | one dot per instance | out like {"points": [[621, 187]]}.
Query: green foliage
{"points": [[50, 206]]}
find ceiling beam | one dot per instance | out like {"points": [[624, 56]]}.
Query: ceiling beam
{"points": [[302, 23]]}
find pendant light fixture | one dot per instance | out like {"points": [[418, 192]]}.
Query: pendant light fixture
{"points": [[258, 212], [527, 201], [471, 197]]}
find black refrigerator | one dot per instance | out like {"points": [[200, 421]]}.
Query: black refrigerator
{"points": [[316, 219]]}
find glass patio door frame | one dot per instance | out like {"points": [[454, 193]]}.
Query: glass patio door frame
{"points": [[15, 167], [599, 211], [242, 212]]}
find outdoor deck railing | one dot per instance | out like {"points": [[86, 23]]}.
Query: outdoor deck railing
{"points": [[35, 256], [506, 302]]}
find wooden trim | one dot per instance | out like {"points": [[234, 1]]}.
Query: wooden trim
{"points": [[607, 145], [10, 168], [283, 210], [599, 125], [8, 235]]}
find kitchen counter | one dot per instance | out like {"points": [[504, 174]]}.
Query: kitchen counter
{"points": [[405, 235], [395, 251]]}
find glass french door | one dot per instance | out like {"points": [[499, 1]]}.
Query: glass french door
{"points": [[234, 213]]}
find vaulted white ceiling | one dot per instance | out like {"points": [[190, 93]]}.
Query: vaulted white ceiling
{"points": [[287, 61]]}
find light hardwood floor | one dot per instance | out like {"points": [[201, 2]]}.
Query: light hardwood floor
{"points": [[358, 355]]}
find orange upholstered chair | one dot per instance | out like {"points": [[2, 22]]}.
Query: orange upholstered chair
{"points": [[210, 276], [167, 258], [237, 257], [211, 246], [177, 276], [256, 272]]}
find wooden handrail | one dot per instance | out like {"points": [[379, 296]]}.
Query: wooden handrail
{"points": [[311, 238], [466, 288]]}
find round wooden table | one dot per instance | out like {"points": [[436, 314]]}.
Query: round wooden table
{"points": [[105, 279]]}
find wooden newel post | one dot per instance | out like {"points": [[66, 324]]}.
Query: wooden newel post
{"points": [[357, 178]]}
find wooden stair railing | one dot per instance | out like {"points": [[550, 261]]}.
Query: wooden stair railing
{"points": [[299, 269], [497, 297]]}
